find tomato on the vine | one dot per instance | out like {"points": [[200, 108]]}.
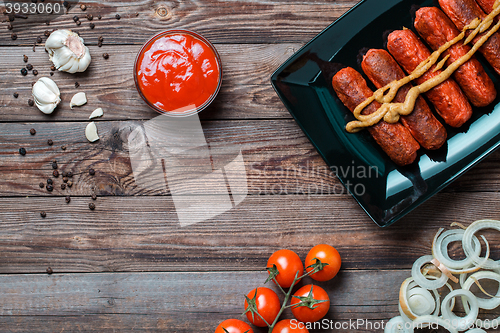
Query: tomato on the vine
{"points": [[288, 265], [310, 303], [265, 302], [233, 326], [326, 254], [290, 326]]}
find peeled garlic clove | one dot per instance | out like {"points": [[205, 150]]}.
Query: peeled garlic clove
{"points": [[97, 113], [46, 95], [91, 132], [67, 51], [78, 99]]}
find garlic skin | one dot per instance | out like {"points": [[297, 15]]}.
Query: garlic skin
{"points": [[46, 95], [91, 132], [67, 51], [78, 99]]}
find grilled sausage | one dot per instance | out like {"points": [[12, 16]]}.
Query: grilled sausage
{"points": [[437, 29], [462, 12], [394, 139], [382, 69], [447, 97], [487, 6]]}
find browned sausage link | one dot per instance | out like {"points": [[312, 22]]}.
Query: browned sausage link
{"points": [[382, 69], [394, 139], [462, 12], [449, 101], [486, 5], [437, 29]]}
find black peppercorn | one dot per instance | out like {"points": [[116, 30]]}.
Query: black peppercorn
{"points": [[10, 27], [99, 16], [50, 188], [29, 67], [117, 16], [39, 39], [55, 173], [43, 214], [16, 95], [99, 43], [68, 199], [105, 56], [63, 147], [90, 17], [31, 102], [35, 72], [70, 174], [91, 172], [75, 18], [13, 36], [65, 179], [83, 7], [50, 142], [25, 58], [94, 196], [52, 68], [49, 270], [65, 4], [77, 84], [91, 206], [24, 71], [54, 165], [51, 73], [63, 186], [70, 183], [32, 131], [46, 33], [42, 185], [49, 181], [78, 23], [64, 174], [92, 25], [22, 151]]}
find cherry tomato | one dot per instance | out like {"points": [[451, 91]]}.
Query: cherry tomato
{"points": [[268, 305], [318, 311], [233, 326], [326, 254], [288, 264], [290, 326]]}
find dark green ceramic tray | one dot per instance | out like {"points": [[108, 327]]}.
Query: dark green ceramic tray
{"points": [[385, 191]]}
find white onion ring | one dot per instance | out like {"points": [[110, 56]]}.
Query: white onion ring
{"points": [[466, 322], [421, 280], [405, 307], [440, 248], [467, 242], [484, 303], [431, 320], [397, 325]]}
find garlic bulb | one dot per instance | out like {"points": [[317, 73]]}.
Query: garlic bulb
{"points": [[46, 95], [67, 51]]}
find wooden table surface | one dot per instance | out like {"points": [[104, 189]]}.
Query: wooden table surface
{"points": [[128, 265]]}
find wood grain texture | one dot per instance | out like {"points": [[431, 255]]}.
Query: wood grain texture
{"points": [[143, 233], [242, 22]]}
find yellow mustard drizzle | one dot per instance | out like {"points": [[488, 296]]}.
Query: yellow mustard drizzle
{"points": [[391, 112]]}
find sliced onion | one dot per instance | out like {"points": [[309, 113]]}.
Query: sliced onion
{"points": [[440, 248], [484, 303], [432, 320], [415, 301], [467, 242], [397, 325], [421, 280], [462, 323]]}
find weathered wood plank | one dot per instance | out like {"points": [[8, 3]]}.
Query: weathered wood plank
{"points": [[245, 21], [144, 234], [246, 91], [278, 159]]}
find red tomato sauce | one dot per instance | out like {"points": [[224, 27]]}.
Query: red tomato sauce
{"points": [[178, 72]]}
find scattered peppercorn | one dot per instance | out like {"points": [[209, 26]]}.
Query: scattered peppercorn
{"points": [[100, 39], [94, 196], [39, 39], [35, 72], [47, 22], [117, 16], [16, 95], [25, 58], [77, 84], [91, 206], [42, 185], [92, 25], [51, 73], [70, 183], [46, 33], [24, 71], [29, 67], [99, 16], [75, 18], [13, 36], [43, 214], [50, 188], [68, 199], [65, 4], [55, 173], [50, 142], [78, 23], [63, 147], [83, 7], [22, 151], [49, 270], [10, 27], [31, 102], [99, 43], [49, 181], [54, 165], [105, 56], [90, 17], [91, 172], [70, 174], [65, 179], [63, 186], [32, 131], [52, 68]]}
